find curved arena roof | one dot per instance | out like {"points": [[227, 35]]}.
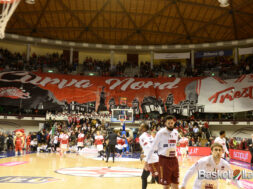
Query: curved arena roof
{"points": [[134, 22]]}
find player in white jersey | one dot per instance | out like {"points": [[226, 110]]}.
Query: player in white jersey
{"points": [[183, 143], [80, 140], [166, 143], [56, 142], [64, 142], [146, 141], [209, 166], [99, 140], [222, 140]]}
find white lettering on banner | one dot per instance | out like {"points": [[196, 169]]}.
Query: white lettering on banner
{"points": [[25, 78], [193, 151], [35, 81], [72, 82], [137, 85], [62, 83], [13, 73], [48, 80], [79, 84], [241, 155], [229, 94], [129, 82]]}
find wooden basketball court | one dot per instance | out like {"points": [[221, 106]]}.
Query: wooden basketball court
{"points": [[39, 171]]}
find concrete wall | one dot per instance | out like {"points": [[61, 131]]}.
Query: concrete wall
{"points": [[13, 47], [243, 131], [11, 125]]}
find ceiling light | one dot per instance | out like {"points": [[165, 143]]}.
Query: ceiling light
{"points": [[223, 3], [31, 2]]}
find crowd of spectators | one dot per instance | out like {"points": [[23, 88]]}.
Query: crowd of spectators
{"points": [[44, 140], [197, 132], [222, 66], [18, 62]]}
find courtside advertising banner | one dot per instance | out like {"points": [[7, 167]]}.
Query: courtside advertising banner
{"points": [[240, 155], [174, 95], [197, 151]]}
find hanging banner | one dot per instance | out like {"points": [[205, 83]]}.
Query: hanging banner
{"points": [[166, 56], [243, 51], [85, 93], [213, 53]]}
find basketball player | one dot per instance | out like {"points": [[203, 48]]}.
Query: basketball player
{"points": [[153, 166], [55, 142], [99, 140], [222, 140], [208, 164], [28, 142], [80, 140], [165, 141], [183, 144], [120, 145], [64, 142]]}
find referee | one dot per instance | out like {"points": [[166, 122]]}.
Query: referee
{"points": [[110, 148]]}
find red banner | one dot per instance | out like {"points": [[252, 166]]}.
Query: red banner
{"points": [[240, 155], [197, 151], [174, 95]]}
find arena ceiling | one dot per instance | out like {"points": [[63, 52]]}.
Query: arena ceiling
{"points": [[134, 22]]}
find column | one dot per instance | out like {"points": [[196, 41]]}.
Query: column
{"points": [[192, 59], [28, 52], [236, 56], [152, 59], [71, 56], [112, 59]]}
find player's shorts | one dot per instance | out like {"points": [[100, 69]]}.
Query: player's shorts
{"points": [[100, 147], [154, 169], [169, 170], [64, 146], [183, 150], [80, 144], [18, 148], [119, 151]]}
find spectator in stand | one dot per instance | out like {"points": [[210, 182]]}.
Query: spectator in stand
{"points": [[250, 144], [243, 144], [196, 134], [34, 145], [2, 140], [9, 141], [231, 143], [235, 143]]}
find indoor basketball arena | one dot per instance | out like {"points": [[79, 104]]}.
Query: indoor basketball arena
{"points": [[126, 94]]}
